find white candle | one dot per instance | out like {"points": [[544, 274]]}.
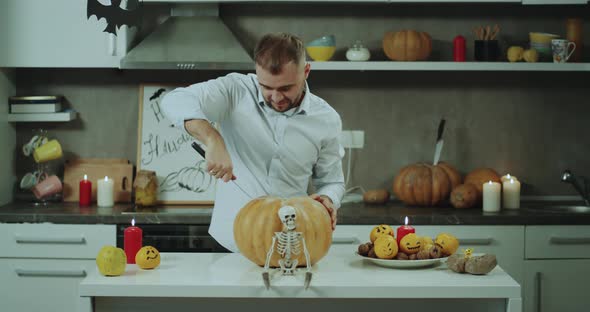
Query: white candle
{"points": [[511, 194], [507, 177], [104, 195], [491, 196]]}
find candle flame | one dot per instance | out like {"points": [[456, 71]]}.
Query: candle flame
{"points": [[490, 182], [85, 177], [106, 178], [512, 181], [508, 176], [406, 220], [133, 222]]}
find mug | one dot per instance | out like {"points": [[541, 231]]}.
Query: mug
{"points": [[48, 151], [486, 50], [47, 187], [36, 141], [31, 178], [561, 50]]}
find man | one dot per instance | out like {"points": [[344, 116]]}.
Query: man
{"points": [[274, 134]]}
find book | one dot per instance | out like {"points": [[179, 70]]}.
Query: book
{"points": [[35, 104]]}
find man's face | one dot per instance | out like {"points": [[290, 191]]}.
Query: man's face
{"points": [[284, 90]]}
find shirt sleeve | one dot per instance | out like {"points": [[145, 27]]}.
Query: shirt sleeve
{"points": [[328, 178]]}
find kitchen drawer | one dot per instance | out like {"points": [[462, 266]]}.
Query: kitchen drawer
{"points": [[54, 240], [553, 242]]}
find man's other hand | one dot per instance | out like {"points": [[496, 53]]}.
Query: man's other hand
{"points": [[327, 202]]}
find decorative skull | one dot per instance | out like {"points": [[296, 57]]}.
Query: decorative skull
{"points": [[288, 215]]}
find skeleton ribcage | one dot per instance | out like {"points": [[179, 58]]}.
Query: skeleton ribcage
{"points": [[289, 243]]}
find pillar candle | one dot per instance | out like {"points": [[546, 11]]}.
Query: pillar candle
{"points": [[491, 196], [507, 177], [404, 230], [85, 191], [132, 241], [104, 194], [511, 194]]}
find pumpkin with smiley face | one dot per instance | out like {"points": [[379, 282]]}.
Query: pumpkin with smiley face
{"points": [[385, 247], [379, 230], [147, 258], [111, 261], [410, 244], [447, 243]]}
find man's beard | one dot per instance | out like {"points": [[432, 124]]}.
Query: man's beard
{"points": [[289, 104]]}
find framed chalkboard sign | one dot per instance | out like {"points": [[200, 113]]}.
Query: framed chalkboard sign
{"points": [[181, 171]]}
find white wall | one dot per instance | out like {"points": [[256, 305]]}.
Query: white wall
{"points": [[7, 137]]}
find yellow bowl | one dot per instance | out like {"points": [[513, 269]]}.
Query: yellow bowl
{"points": [[545, 38], [320, 54]]}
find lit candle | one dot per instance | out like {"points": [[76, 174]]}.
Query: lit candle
{"points": [[507, 177], [404, 230], [511, 194], [132, 241], [85, 191], [104, 195], [491, 196]]}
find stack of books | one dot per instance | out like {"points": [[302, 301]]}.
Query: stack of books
{"points": [[34, 104]]}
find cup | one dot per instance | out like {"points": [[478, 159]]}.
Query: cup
{"points": [[30, 179], [48, 151], [51, 185], [561, 50], [486, 50]]}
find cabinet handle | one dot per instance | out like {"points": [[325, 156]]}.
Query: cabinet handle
{"points": [[476, 241], [538, 277], [50, 273], [569, 240], [50, 240], [345, 240]]}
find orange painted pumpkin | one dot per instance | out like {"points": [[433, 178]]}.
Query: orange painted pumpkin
{"points": [[257, 222], [407, 45], [480, 176], [424, 184], [464, 196]]}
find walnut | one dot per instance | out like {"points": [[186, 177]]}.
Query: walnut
{"points": [[435, 252], [423, 255], [401, 256], [372, 253], [363, 249]]}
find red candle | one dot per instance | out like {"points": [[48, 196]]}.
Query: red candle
{"points": [[132, 241], [404, 230], [85, 191]]}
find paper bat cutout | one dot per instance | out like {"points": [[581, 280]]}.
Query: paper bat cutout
{"points": [[114, 15]]}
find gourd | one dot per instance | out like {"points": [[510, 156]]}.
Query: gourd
{"points": [[464, 196], [257, 222], [407, 45], [410, 244], [531, 56], [480, 176], [514, 53], [386, 247], [447, 243], [379, 230], [379, 196], [424, 184], [111, 261], [147, 257]]}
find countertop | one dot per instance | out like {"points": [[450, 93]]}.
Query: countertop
{"points": [[350, 213]]}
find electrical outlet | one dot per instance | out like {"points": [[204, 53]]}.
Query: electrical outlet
{"points": [[353, 138]]}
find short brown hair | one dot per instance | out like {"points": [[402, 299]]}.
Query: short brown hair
{"points": [[277, 49]]}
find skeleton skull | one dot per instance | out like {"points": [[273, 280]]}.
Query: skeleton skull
{"points": [[288, 215]]}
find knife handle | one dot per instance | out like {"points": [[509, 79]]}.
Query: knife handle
{"points": [[441, 129], [201, 152]]}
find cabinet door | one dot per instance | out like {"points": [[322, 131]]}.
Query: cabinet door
{"points": [[556, 285], [43, 284], [56, 33]]}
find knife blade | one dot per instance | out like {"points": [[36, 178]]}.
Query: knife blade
{"points": [[201, 152], [307, 280], [266, 279], [439, 141]]}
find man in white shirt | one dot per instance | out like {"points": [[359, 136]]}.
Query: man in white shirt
{"points": [[274, 134]]}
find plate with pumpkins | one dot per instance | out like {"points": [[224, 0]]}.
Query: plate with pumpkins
{"points": [[411, 251]]}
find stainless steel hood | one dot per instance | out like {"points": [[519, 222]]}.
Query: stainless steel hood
{"points": [[190, 43]]}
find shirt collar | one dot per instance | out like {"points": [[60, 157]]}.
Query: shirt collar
{"points": [[303, 108]]}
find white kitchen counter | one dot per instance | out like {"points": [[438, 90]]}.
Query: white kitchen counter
{"points": [[338, 275]]}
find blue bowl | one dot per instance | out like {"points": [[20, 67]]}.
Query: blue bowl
{"points": [[325, 41]]}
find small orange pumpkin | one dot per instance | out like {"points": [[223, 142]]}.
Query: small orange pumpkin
{"points": [[464, 196], [480, 176], [424, 184], [407, 45]]}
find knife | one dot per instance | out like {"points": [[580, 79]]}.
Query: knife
{"points": [[439, 141], [307, 280], [201, 152]]}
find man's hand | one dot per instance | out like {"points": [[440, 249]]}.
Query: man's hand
{"points": [[219, 163], [327, 202]]}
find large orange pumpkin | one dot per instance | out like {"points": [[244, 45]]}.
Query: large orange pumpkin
{"points": [[480, 176], [424, 184], [407, 45], [258, 220]]}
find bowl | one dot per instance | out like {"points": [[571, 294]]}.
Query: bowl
{"points": [[321, 49], [543, 38], [325, 41]]}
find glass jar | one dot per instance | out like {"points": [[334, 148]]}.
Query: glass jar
{"points": [[358, 52]]}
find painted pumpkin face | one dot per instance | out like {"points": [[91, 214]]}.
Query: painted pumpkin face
{"points": [[147, 257], [379, 230], [111, 261], [410, 244], [426, 242], [385, 247], [447, 243]]}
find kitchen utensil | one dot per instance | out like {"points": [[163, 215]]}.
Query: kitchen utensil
{"points": [[439, 141], [266, 280], [121, 173], [201, 152], [404, 264], [486, 50], [307, 280], [562, 50], [47, 187]]}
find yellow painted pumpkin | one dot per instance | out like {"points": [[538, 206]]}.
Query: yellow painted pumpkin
{"points": [[407, 45], [447, 243], [426, 242], [147, 257], [379, 230], [424, 184], [111, 261], [385, 247], [257, 222], [410, 244]]}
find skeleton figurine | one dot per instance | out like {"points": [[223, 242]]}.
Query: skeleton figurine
{"points": [[289, 245]]}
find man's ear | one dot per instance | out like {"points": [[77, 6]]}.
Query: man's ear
{"points": [[306, 70]]}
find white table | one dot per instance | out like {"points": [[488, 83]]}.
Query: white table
{"points": [[341, 282]]}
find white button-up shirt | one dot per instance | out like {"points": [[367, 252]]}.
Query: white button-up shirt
{"points": [[273, 153]]}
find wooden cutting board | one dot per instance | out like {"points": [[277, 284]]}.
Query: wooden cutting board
{"points": [[120, 170]]}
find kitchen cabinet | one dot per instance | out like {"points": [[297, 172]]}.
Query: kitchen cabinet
{"points": [[57, 33], [7, 137], [41, 265], [557, 268]]}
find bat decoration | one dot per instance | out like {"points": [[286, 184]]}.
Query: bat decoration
{"points": [[157, 94], [114, 14]]}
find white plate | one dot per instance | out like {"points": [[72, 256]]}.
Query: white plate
{"points": [[404, 264]]}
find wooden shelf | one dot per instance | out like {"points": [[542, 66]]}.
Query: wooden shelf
{"points": [[448, 66], [43, 117]]}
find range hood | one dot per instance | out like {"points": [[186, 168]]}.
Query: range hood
{"points": [[189, 43]]}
